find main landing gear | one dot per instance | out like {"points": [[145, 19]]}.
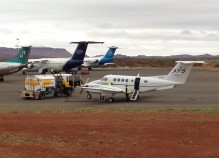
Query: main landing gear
{"points": [[102, 98]]}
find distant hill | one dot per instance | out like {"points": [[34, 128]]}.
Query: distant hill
{"points": [[36, 52], [47, 52], [182, 56]]}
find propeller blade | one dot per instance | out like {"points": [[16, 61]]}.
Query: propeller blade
{"points": [[87, 80], [81, 91], [82, 82]]}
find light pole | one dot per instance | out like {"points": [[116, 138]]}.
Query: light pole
{"points": [[17, 42]]}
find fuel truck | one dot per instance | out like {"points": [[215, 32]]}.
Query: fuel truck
{"points": [[38, 86]]}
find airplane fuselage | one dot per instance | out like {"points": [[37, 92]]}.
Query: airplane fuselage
{"points": [[7, 68], [96, 61], [60, 64], [143, 84], [55, 64]]}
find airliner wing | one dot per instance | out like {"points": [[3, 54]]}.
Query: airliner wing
{"points": [[37, 60], [86, 64], [109, 64]]}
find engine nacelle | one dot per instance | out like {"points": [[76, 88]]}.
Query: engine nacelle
{"points": [[96, 61], [30, 66]]}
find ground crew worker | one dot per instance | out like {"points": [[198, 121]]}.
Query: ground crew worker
{"points": [[127, 92], [109, 84]]}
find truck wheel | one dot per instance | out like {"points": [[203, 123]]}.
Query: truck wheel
{"points": [[2, 79], [111, 100], [69, 92], [41, 96]]}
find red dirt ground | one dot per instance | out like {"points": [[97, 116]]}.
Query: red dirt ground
{"points": [[134, 135]]}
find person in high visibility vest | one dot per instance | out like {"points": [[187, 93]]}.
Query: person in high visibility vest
{"points": [[127, 91], [109, 84]]}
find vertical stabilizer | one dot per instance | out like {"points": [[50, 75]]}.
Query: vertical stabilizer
{"points": [[81, 49], [110, 53], [181, 71], [22, 56], [108, 56]]}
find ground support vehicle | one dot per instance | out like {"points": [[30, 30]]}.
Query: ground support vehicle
{"points": [[38, 86]]}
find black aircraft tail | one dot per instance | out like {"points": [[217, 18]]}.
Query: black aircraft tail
{"points": [[80, 51]]}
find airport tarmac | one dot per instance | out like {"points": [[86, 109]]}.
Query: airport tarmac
{"points": [[200, 90]]}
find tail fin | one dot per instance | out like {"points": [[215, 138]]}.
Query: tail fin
{"points": [[181, 71], [81, 49], [110, 52], [22, 56]]}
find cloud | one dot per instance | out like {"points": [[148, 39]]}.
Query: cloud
{"points": [[140, 25]]}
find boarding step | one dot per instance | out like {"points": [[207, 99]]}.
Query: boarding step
{"points": [[134, 95]]}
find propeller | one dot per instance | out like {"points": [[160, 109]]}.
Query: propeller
{"points": [[83, 84]]}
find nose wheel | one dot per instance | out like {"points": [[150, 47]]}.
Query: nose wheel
{"points": [[89, 96]]}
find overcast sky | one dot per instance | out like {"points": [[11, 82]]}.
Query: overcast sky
{"points": [[138, 27]]}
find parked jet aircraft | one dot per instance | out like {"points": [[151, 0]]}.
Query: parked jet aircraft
{"points": [[16, 64], [110, 85], [44, 65], [101, 60]]}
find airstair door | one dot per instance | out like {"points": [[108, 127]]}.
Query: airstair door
{"points": [[136, 88], [137, 83]]}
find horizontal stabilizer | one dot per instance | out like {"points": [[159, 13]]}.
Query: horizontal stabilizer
{"points": [[191, 62], [166, 87], [89, 42]]}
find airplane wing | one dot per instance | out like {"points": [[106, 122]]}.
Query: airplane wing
{"points": [[109, 63], [43, 60], [102, 88]]}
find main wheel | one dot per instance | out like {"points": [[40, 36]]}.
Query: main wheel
{"points": [[111, 100], [69, 92], [44, 71], [55, 94], [89, 96], [41, 95]]}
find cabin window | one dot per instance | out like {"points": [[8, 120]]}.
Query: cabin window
{"points": [[145, 81], [126, 80], [122, 80], [104, 79], [114, 79], [132, 80], [118, 79]]}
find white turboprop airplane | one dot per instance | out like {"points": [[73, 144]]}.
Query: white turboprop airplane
{"points": [[110, 85]]}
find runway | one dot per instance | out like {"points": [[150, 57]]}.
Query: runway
{"points": [[200, 90]]}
